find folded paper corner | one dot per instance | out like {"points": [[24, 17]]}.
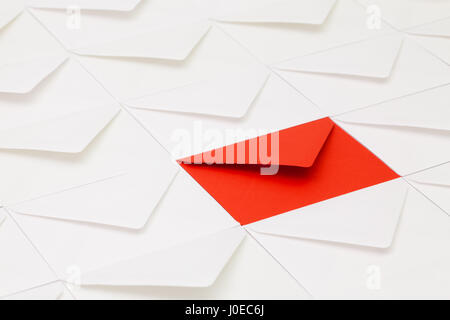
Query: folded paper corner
{"points": [[297, 146]]}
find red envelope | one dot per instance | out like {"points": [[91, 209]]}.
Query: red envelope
{"points": [[317, 161]]}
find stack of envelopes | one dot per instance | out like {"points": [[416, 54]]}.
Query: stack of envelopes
{"points": [[138, 141]]}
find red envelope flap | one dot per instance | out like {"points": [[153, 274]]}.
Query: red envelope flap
{"points": [[298, 146], [252, 192]]}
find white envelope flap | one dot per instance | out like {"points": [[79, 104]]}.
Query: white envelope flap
{"points": [[436, 29], [153, 29], [413, 112], [117, 180], [185, 212], [228, 95], [373, 58], [70, 133], [366, 217], [23, 76], [196, 263], [105, 5], [124, 200], [9, 9], [167, 42], [286, 11]]}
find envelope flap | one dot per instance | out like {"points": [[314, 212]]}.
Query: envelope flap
{"points": [[103, 5], [71, 133], [286, 11], [125, 200], [166, 42], [367, 217], [297, 146], [373, 58], [437, 29], [23, 76], [9, 9], [409, 112], [227, 96], [196, 263]]}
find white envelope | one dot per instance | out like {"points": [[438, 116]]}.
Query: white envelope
{"points": [[218, 68], [403, 14], [383, 242], [218, 84], [435, 37], [167, 54], [27, 54], [275, 107], [187, 243], [131, 28], [68, 145], [51, 291], [365, 73], [21, 265], [278, 30], [409, 134], [194, 56], [251, 274], [435, 184]]}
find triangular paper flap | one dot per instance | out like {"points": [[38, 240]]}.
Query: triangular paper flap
{"points": [[288, 11], [355, 59], [103, 5], [408, 112], [168, 43], [438, 176], [436, 29], [367, 217], [297, 146], [227, 96], [197, 263], [9, 9], [52, 291], [69, 134], [23, 76], [124, 200]]}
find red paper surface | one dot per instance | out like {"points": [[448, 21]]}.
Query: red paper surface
{"points": [[317, 161]]}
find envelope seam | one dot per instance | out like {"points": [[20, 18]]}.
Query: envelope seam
{"points": [[37, 287], [411, 38], [389, 100], [33, 245], [426, 197], [279, 263], [271, 70]]}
